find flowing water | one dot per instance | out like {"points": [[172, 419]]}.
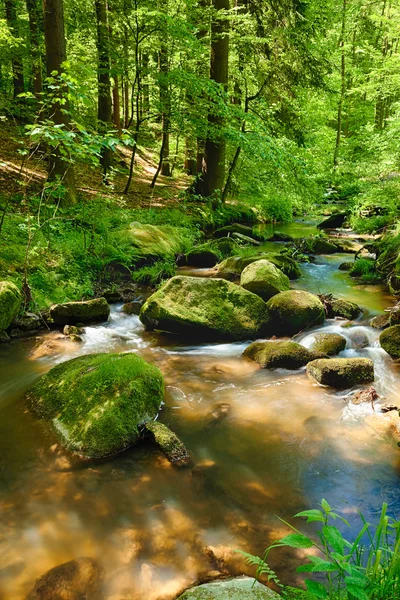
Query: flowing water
{"points": [[263, 443]]}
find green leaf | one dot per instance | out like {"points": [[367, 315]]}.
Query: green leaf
{"points": [[315, 588], [357, 591], [311, 515], [325, 505], [318, 565], [296, 540], [334, 538]]}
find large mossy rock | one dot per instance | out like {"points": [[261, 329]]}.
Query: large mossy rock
{"points": [[280, 355], [162, 241], [231, 268], [210, 253], [344, 309], [79, 579], [88, 311], [199, 307], [293, 311], [10, 303], [328, 343], [341, 372], [240, 588], [97, 404], [264, 279], [390, 340]]}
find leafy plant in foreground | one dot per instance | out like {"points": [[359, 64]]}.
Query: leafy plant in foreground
{"points": [[366, 569]]}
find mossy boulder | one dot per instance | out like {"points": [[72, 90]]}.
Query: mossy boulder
{"points": [[232, 267], [239, 588], [173, 448], [162, 241], [341, 372], [280, 355], [320, 246], [278, 236], [10, 303], [285, 263], [200, 307], [264, 279], [328, 343], [97, 404], [294, 310], [333, 222], [233, 228], [211, 253], [390, 340], [88, 311], [78, 579], [132, 308], [344, 309]]}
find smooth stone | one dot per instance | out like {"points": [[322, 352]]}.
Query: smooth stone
{"points": [[341, 372], [79, 579], [240, 588]]}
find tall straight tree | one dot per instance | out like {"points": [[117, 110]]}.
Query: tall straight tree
{"points": [[35, 12], [17, 67], [60, 169], [104, 105], [213, 174]]}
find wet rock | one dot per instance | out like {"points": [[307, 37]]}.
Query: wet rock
{"points": [[232, 267], [394, 316], [341, 372], [73, 330], [205, 308], [234, 228], [132, 308], [87, 311], [345, 266], [203, 256], [385, 408], [336, 307], [264, 279], [173, 448], [328, 343], [112, 296], [10, 303], [79, 579], [358, 337], [316, 245], [97, 404], [294, 310], [279, 355], [231, 589], [368, 395], [27, 322], [380, 321], [390, 340], [333, 222], [221, 411], [246, 239], [280, 237]]}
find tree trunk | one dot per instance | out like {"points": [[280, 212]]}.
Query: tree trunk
{"points": [[165, 109], [17, 67], [104, 110], [116, 104], [35, 12], [190, 156], [342, 88], [56, 55], [145, 85]]}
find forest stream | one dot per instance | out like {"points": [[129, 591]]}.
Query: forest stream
{"points": [[263, 444]]}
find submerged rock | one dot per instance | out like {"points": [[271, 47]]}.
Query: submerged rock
{"points": [[264, 279], [341, 372], [293, 311], [278, 236], [79, 579], [74, 333], [72, 313], [279, 355], [239, 588], [169, 443], [390, 340], [27, 322], [328, 343], [10, 303], [98, 403], [368, 395], [199, 307]]}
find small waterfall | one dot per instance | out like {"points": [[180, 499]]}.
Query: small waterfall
{"points": [[120, 327]]}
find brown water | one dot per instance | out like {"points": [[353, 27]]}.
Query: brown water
{"points": [[264, 443]]}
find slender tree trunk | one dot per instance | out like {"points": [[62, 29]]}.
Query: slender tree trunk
{"points": [[165, 109], [104, 109], [190, 156], [56, 55], [116, 104], [342, 88], [17, 66], [213, 176], [35, 12], [145, 85]]}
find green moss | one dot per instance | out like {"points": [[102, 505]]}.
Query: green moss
{"points": [[71, 313], [98, 403], [341, 372], [390, 341], [279, 355], [158, 241], [169, 442], [10, 303], [264, 279], [328, 343], [344, 309], [317, 245], [205, 308], [294, 310], [233, 266]]}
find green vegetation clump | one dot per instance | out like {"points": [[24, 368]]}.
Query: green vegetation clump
{"points": [[294, 310], [97, 404], [366, 270], [158, 241], [280, 355], [10, 303]]}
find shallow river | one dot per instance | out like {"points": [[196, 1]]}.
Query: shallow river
{"points": [[263, 443]]}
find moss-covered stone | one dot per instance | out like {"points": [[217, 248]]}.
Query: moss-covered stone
{"points": [[317, 246], [72, 313], [390, 341], [341, 372], [293, 311], [344, 309], [328, 343], [280, 355], [287, 265], [232, 267], [233, 228], [205, 255], [333, 222], [264, 279], [75, 580], [239, 588], [132, 308], [10, 303], [380, 321], [173, 448], [98, 403], [163, 241], [205, 308]]}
